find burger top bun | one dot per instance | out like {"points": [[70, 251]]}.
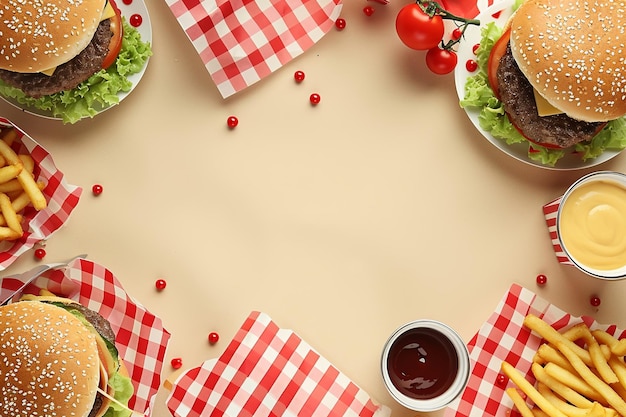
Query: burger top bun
{"points": [[36, 36], [48, 362], [573, 53]]}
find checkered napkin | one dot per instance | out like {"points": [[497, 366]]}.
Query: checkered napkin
{"points": [[242, 41], [62, 199], [503, 338], [550, 212], [269, 371], [141, 339]]}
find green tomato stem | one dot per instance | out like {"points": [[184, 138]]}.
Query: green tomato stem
{"points": [[432, 8]]}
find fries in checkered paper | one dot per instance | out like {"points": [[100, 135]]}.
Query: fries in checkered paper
{"points": [[579, 373], [18, 187]]}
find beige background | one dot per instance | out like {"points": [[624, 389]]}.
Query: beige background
{"points": [[343, 221]]}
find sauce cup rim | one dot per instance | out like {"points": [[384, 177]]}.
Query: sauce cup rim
{"points": [[612, 274], [460, 381]]}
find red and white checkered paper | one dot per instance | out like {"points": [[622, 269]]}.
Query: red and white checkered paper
{"points": [[504, 338], [62, 199], [243, 41], [269, 371], [141, 339], [550, 211]]}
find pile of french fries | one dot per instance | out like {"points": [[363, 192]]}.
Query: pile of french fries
{"points": [[18, 187], [579, 372]]}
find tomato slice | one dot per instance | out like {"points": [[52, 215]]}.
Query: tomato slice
{"points": [[116, 40], [497, 52]]}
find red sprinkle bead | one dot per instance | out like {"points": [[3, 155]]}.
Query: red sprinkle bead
{"points": [[542, 279], [176, 363], [127, 2], [135, 20], [40, 253], [457, 33], [232, 122], [213, 338], [298, 76], [160, 284], [96, 189], [475, 47], [340, 24], [368, 10], [471, 65], [594, 300], [501, 380], [315, 99]]}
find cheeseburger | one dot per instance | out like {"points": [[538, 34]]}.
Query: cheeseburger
{"points": [[558, 70], [59, 359], [50, 50]]}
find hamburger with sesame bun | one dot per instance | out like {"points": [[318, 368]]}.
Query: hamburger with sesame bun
{"points": [[62, 55], [59, 359], [558, 73]]}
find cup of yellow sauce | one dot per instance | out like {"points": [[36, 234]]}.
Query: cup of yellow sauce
{"points": [[591, 224]]}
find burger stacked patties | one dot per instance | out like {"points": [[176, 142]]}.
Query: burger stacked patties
{"points": [[66, 36], [573, 54]]}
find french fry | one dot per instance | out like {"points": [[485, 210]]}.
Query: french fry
{"points": [[11, 186], [6, 233], [530, 391], [593, 380], [8, 136], [553, 336], [9, 172], [574, 381], [618, 347], [28, 162], [519, 402], [549, 354], [566, 408], [10, 216], [25, 178], [567, 393]]}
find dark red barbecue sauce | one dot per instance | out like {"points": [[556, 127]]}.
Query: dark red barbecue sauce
{"points": [[422, 363]]}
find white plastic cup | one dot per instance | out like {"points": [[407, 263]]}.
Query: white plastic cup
{"points": [[601, 212], [442, 372]]}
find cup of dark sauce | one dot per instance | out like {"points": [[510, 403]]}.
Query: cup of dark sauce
{"points": [[425, 365]]}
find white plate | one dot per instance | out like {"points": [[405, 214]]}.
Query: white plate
{"points": [[518, 151], [133, 11]]}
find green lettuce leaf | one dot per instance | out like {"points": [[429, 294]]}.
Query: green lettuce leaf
{"points": [[99, 91], [124, 389], [492, 118]]}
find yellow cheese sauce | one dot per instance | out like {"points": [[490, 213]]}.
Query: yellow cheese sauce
{"points": [[593, 225]]}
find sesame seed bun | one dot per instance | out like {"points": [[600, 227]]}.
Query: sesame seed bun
{"points": [[49, 362], [34, 38], [573, 53]]}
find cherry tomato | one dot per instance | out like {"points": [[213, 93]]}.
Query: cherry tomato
{"points": [[417, 30], [441, 61], [116, 40]]}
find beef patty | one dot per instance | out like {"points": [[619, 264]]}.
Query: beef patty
{"points": [[68, 75], [518, 99]]}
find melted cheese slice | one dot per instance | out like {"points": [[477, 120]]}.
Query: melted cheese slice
{"points": [[543, 107], [107, 13]]}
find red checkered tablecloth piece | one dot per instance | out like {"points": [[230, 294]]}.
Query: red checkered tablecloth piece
{"points": [[62, 199], [268, 371], [141, 339], [504, 338], [550, 211], [241, 42]]}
